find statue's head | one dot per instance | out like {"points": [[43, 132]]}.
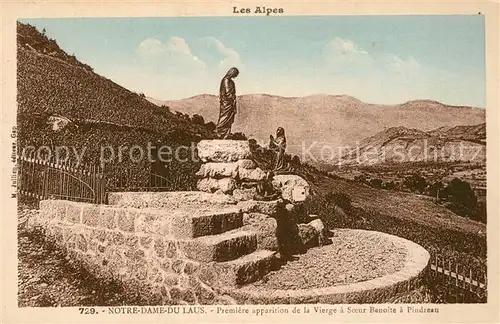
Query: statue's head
{"points": [[280, 131], [232, 73]]}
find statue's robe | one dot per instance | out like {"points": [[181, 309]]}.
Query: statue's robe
{"points": [[227, 99], [278, 144]]}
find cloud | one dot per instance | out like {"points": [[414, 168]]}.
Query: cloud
{"points": [[176, 47], [405, 67], [230, 56], [345, 56], [151, 47], [345, 46]]}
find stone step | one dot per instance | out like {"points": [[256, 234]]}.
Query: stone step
{"points": [[206, 222], [170, 199], [223, 247], [247, 269]]}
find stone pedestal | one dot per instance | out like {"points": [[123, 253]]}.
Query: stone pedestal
{"points": [[228, 166], [229, 170]]}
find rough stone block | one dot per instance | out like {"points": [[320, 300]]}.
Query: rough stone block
{"points": [[218, 170], [265, 227], [247, 269], [251, 175], [205, 295], [292, 187], [191, 267], [182, 295], [152, 223], [47, 208], [308, 234], [201, 223], [109, 217], [168, 199], [52, 208], [91, 216], [225, 185], [74, 213], [244, 194], [222, 247], [126, 221], [246, 164], [223, 150], [271, 208], [318, 225]]}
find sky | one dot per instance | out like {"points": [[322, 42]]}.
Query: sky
{"points": [[377, 59]]}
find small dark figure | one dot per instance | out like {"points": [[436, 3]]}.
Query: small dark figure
{"points": [[265, 189], [227, 99], [278, 145]]}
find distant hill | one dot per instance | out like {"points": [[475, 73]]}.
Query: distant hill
{"points": [[326, 121], [401, 144]]}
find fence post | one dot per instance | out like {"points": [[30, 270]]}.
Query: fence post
{"points": [[449, 271]]}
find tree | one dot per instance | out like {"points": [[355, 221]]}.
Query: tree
{"points": [[415, 183], [461, 196]]}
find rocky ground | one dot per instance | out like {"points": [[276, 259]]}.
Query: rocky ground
{"points": [[48, 278]]}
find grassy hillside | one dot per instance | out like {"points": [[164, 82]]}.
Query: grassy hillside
{"points": [[103, 114]]}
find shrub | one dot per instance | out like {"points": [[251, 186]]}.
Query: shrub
{"points": [[390, 185], [415, 183], [335, 210], [481, 212], [360, 178], [340, 199], [238, 136], [210, 126], [197, 119], [461, 196], [376, 183]]}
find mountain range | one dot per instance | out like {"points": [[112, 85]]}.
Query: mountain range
{"points": [[319, 126], [401, 144]]}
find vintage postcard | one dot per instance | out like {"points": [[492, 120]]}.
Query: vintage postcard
{"points": [[250, 162]]}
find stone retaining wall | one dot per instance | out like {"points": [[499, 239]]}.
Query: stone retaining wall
{"points": [[139, 247], [172, 256]]}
